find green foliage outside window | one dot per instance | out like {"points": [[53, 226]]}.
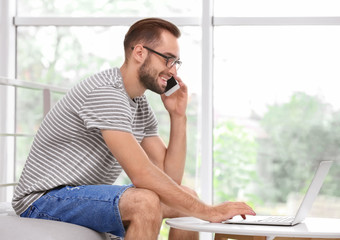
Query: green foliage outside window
{"points": [[235, 155], [301, 133], [298, 135]]}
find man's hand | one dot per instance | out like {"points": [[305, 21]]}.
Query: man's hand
{"points": [[176, 103], [228, 210]]}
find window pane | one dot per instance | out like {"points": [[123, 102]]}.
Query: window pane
{"points": [[63, 56], [29, 113], [23, 146], [116, 8], [277, 115], [276, 8], [29, 107]]}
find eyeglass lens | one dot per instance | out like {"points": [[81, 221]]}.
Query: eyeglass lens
{"points": [[173, 62]]}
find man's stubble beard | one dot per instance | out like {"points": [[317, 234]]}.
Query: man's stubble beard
{"points": [[148, 77]]}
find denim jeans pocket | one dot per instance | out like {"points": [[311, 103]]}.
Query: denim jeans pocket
{"points": [[42, 215], [35, 213]]}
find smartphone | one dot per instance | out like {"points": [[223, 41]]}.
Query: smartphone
{"points": [[171, 87]]}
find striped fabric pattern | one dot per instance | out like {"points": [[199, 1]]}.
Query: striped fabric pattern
{"points": [[69, 149]]}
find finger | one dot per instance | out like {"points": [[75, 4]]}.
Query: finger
{"points": [[243, 212], [238, 205], [183, 86], [243, 205], [248, 210], [180, 81]]}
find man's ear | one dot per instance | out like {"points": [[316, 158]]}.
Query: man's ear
{"points": [[139, 53]]}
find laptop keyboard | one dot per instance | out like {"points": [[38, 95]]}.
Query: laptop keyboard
{"points": [[277, 219]]}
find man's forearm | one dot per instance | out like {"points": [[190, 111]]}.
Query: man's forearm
{"points": [[174, 162], [171, 194], [144, 174]]}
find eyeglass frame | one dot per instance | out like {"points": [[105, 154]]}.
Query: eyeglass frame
{"points": [[176, 61]]}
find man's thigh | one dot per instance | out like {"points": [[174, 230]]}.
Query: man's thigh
{"points": [[138, 202], [92, 206]]}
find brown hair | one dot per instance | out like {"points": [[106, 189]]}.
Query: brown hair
{"points": [[148, 31]]}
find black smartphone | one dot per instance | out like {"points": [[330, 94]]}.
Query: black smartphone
{"points": [[171, 86]]}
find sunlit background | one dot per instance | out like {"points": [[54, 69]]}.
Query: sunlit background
{"points": [[276, 106]]}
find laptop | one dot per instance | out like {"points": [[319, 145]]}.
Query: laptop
{"points": [[304, 208]]}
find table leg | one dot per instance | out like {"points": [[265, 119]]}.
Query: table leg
{"points": [[238, 237]]}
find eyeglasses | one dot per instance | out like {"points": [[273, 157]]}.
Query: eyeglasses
{"points": [[170, 61]]}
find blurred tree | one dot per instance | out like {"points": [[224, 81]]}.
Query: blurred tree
{"points": [[301, 133], [235, 153], [298, 135]]}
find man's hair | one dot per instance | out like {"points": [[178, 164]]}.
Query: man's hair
{"points": [[148, 32]]}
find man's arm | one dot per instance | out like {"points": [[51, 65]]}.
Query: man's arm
{"points": [[170, 159], [144, 174]]}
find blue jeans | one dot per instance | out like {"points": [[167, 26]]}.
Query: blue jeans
{"points": [[91, 206]]}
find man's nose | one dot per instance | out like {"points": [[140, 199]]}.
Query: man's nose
{"points": [[173, 70]]}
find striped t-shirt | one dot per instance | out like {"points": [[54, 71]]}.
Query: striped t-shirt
{"points": [[69, 149]]}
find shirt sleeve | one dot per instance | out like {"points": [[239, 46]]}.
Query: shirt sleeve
{"points": [[107, 108]]}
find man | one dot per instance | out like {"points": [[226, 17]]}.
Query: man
{"points": [[103, 125]]}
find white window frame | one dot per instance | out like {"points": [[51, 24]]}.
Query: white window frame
{"points": [[7, 69]]}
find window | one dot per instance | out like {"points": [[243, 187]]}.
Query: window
{"points": [[64, 55], [275, 104]]}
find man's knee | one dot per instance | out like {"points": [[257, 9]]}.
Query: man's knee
{"points": [[147, 202], [141, 205]]}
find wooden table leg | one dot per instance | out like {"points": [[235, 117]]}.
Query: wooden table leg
{"points": [[238, 237]]}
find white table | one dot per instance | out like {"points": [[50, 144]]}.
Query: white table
{"points": [[321, 228]]}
